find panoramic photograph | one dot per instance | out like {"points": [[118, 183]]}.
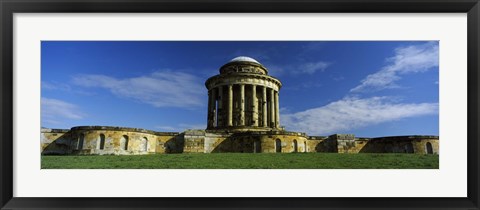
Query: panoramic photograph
{"points": [[239, 105]]}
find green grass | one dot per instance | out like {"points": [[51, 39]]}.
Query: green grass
{"points": [[244, 161]]}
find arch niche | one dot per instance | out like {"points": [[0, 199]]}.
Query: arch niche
{"points": [[144, 144], [257, 146], [295, 146], [429, 148], [101, 142], [81, 139], [124, 142], [409, 148], [278, 146]]}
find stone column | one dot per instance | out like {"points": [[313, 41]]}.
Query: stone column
{"points": [[272, 109], [242, 104], [209, 112], [214, 107], [277, 111], [220, 112], [230, 104], [264, 108], [254, 106]]}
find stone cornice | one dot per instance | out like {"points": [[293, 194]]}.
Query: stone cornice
{"points": [[406, 137], [243, 66], [241, 77], [53, 130], [112, 128]]}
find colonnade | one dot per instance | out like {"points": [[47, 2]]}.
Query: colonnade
{"points": [[238, 105]]}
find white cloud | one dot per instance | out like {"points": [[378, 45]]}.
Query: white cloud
{"points": [[338, 78], [304, 85], [54, 111], [410, 59], [275, 70], [55, 86], [166, 128], [192, 126], [58, 86], [311, 68], [181, 127], [284, 110], [314, 46], [352, 113], [159, 89], [306, 68]]}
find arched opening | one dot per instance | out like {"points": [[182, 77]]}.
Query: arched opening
{"points": [[168, 148], [101, 143], [295, 146], [81, 139], [409, 148], [278, 146], [429, 148], [257, 147], [388, 148], [144, 145], [124, 142], [236, 105], [304, 146], [215, 113]]}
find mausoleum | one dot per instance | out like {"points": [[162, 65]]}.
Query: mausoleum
{"points": [[243, 116]]}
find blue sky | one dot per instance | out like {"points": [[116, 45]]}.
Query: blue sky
{"points": [[367, 88]]}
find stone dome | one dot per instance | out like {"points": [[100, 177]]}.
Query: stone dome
{"points": [[243, 64], [244, 58], [243, 98]]}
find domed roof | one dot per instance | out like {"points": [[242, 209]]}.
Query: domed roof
{"points": [[244, 58], [243, 64]]}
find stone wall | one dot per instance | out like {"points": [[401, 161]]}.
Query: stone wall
{"points": [[401, 144], [217, 142], [55, 141], [345, 143], [108, 140], [284, 142], [256, 142], [194, 141], [321, 144], [101, 140]]}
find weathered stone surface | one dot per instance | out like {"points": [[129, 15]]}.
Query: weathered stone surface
{"points": [[199, 141], [400, 144]]}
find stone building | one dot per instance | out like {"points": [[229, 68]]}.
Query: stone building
{"points": [[243, 116], [243, 97]]}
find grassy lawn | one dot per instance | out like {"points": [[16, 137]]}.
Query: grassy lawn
{"points": [[244, 161]]}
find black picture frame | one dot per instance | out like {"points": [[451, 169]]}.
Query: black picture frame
{"points": [[9, 7]]}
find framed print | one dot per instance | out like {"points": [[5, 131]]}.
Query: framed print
{"points": [[239, 105]]}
